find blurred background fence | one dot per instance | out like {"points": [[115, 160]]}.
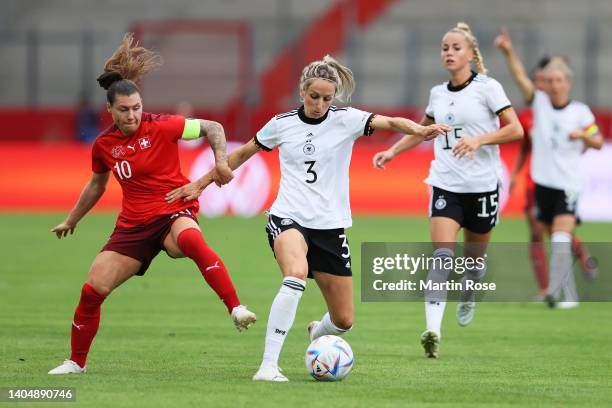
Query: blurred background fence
{"points": [[238, 61]]}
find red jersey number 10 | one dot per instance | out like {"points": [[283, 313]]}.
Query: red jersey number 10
{"points": [[124, 171]]}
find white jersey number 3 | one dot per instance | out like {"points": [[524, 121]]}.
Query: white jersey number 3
{"points": [[310, 172]]}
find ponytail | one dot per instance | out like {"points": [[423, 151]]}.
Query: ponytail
{"points": [[128, 64], [329, 69], [464, 29]]}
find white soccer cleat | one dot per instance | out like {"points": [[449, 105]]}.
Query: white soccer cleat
{"points": [[465, 313], [311, 327], [431, 343], [567, 305], [68, 367], [269, 373], [243, 317]]}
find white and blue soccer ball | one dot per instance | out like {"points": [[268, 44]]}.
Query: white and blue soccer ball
{"points": [[329, 358]]}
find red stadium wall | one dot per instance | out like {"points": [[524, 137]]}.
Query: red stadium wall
{"points": [[49, 177]]}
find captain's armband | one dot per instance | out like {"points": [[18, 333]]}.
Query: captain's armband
{"points": [[191, 130]]}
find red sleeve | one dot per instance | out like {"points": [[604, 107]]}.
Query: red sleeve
{"points": [[172, 126], [97, 163], [526, 119]]}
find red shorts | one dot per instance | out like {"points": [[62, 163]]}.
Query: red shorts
{"points": [[144, 242]]}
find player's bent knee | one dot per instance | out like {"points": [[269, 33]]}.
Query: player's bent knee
{"points": [[99, 286], [174, 253], [299, 273], [343, 322]]}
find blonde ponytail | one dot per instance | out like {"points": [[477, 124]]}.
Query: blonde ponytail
{"points": [[329, 69], [464, 29]]}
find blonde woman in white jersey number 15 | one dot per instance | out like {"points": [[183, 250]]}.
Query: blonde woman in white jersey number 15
{"points": [[307, 220], [466, 170], [562, 130]]}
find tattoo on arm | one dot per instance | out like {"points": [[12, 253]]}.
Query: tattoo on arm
{"points": [[216, 138]]}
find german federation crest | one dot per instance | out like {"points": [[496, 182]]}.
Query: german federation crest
{"points": [[440, 203], [308, 149]]}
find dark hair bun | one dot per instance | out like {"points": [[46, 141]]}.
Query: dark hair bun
{"points": [[108, 78]]}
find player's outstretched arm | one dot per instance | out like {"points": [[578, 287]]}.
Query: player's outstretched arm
{"points": [[427, 130], [409, 127], [194, 189], [517, 69], [88, 198], [511, 131], [242, 154], [213, 131], [591, 137]]}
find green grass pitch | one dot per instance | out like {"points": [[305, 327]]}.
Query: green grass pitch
{"points": [[166, 340]]}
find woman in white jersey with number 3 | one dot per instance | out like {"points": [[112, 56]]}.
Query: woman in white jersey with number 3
{"points": [[307, 221], [466, 171]]}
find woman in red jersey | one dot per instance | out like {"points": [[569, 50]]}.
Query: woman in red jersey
{"points": [[141, 151]]}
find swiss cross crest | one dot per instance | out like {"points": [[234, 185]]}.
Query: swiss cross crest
{"points": [[117, 152], [144, 143]]}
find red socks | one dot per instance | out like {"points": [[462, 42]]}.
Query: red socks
{"points": [[192, 244], [85, 324], [190, 241], [537, 253], [578, 248]]}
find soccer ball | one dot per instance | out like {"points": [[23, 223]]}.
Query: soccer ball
{"points": [[329, 358]]}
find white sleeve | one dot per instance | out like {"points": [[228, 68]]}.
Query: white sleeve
{"points": [[268, 138], [429, 112], [539, 100], [586, 118], [497, 100], [357, 122]]}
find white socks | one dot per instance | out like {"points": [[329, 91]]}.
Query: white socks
{"points": [[475, 275], [282, 315], [325, 327], [435, 301], [561, 277]]}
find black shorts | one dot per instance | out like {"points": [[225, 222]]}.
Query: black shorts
{"points": [[476, 212], [328, 250], [144, 242], [551, 202]]}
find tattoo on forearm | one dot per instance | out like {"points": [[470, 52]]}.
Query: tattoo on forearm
{"points": [[216, 138]]}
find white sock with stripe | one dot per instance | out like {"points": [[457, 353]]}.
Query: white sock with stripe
{"points": [[435, 300], [282, 315], [325, 327], [561, 275]]}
